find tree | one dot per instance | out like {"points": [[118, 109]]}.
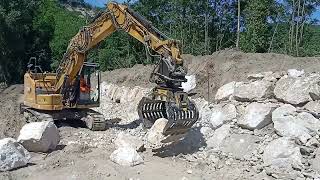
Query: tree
{"points": [[256, 25], [17, 19], [238, 27]]}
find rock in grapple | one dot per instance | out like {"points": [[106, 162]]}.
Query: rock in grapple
{"points": [[180, 119]]}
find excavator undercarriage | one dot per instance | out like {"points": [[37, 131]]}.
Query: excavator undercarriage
{"points": [[92, 119]]}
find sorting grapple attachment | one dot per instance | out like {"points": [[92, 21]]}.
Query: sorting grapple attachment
{"points": [[180, 120]]}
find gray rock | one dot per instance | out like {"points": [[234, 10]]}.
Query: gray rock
{"points": [[12, 155], [126, 156], [315, 163], [205, 131], [295, 73], [240, 145], [313, 107], [263, 176], [259, 76], [127, 140], [220, 114], [282, 152], [155, 135], [289, 123], [218, 137], [298, 90], [252, 91], [225, 92], [256, 116], [204, 111], [190, 84], [39, 136], [313, 142]]}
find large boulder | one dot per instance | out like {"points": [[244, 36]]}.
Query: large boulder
{"points": [[257, 116], [225, 92], [221, 114], [218, 137], [155, 136], [251, 91], [39, 136], [126, 156], [12, 155], [240, 145], [315, 163], [298, 90], [289, 123], [282, 152], [127, 140], [295, 73], [313, 107], [190, 84]]}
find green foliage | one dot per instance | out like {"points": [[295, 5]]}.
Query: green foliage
{"points": [[119, 51], [256, 36], [67, 24], [22, 36], [43, 29], [310, 45]]}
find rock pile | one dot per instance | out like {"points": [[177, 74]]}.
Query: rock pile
{"points": [[270, 123], [36, 137], [266, 127]]}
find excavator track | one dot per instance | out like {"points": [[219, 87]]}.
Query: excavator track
{"points": [[34, 116], [95, 121], [180, 120]]}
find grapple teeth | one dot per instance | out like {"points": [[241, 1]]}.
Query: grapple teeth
{"points": [[180, 121]]}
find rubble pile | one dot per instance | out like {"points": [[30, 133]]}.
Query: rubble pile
{"points": [[34, 137], [274, 131], [265, 127]]}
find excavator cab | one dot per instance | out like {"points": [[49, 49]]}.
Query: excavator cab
{"points": [[89, 85]]}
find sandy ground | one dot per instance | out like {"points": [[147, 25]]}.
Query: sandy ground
{"points": [[83, 161]]}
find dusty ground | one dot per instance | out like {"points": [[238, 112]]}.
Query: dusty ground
{"points": [[83, 154], [10, 118]]}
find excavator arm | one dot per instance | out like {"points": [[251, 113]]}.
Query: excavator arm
{"points": [[119, 17], [168, 99]]}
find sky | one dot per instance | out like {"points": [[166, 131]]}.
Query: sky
{"points": [[100, 3]]}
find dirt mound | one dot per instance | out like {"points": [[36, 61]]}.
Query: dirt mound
{"points": [[220, 68], [11, 120]]}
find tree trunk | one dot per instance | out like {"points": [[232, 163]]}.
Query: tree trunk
{"points": [[206, 32], [303, 21], [291, 31], [297, 29], [238, 27], [273, 35]]}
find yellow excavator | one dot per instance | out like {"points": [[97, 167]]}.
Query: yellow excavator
{"points": [[74, 88]]}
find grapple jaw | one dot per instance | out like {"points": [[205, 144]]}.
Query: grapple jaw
{"points": [[180, 120]]}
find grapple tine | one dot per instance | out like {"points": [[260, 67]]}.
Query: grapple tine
{"points": [[180, 120]]}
